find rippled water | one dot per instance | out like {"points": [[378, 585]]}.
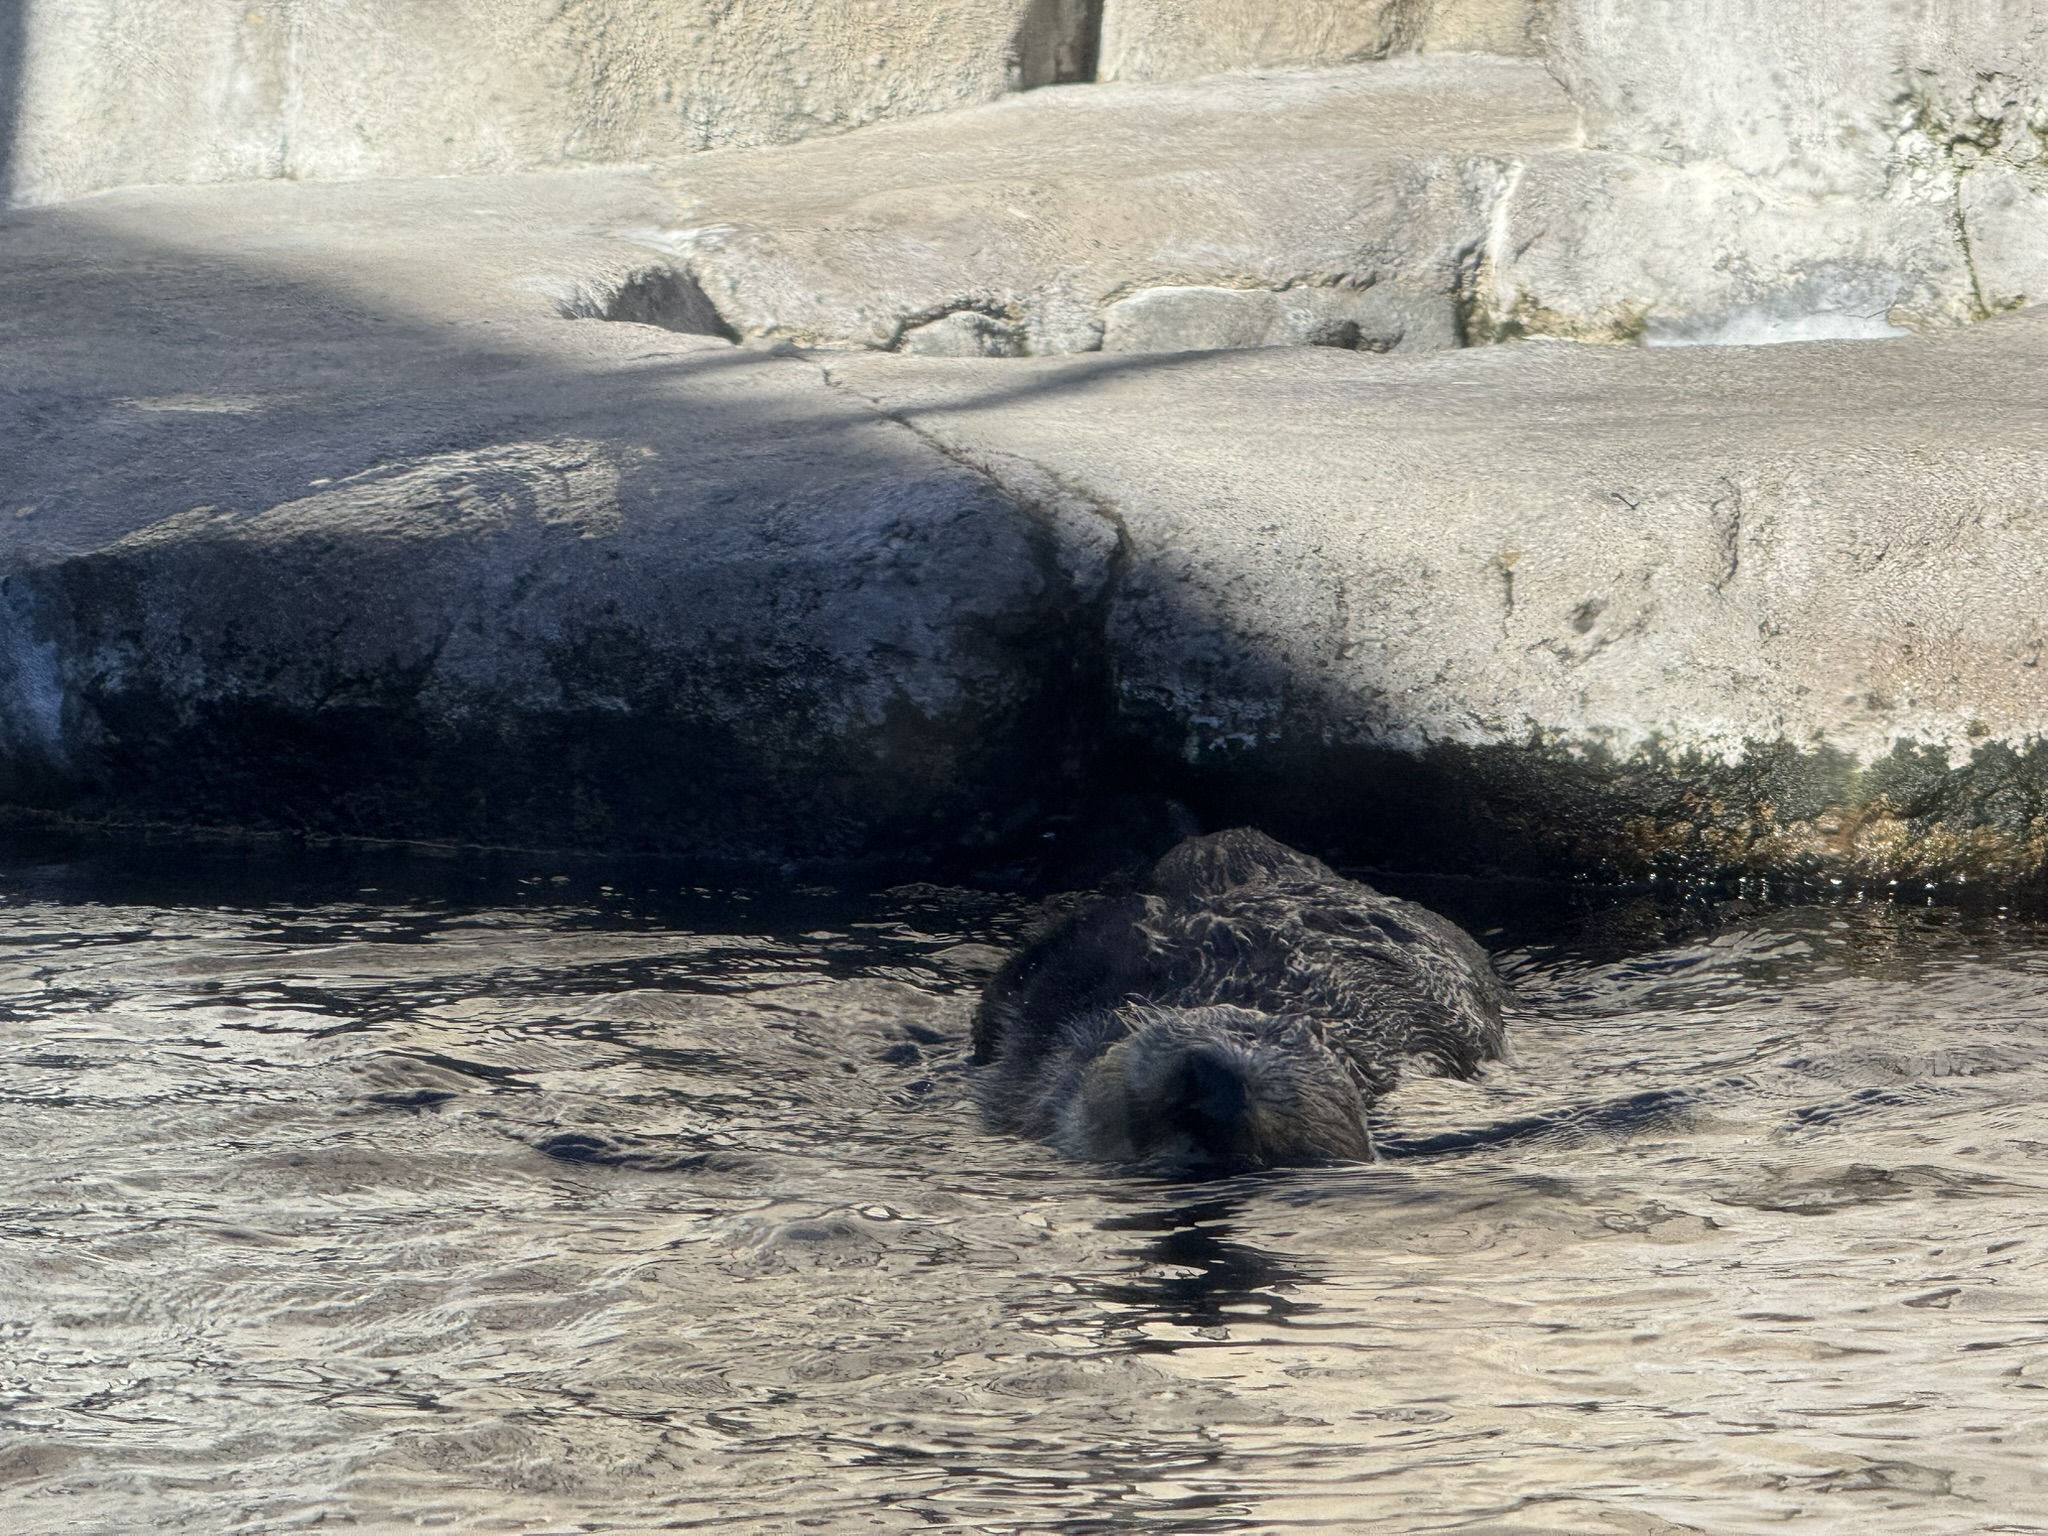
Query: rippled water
{"points": [[561, 1211]]}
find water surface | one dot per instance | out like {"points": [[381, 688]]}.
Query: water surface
{"points": [[554, 1208]]}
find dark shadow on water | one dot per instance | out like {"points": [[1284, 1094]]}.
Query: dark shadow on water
{"points": [[1193, 1274], [1545, 917], [284, 873], [1572, 1125], [176, 868]]}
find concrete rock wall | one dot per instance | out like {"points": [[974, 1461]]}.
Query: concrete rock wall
{"points": [[1821, 96], [1762, 169], [335, 508], [1750, 169], [1329, 206], [1775, 171], [1183, 39], [1763, 608], [122, 92]]}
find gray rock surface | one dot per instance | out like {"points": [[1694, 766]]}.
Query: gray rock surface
{"points": [[1594, 245], [1813, 165], [1046, 210], [1663, 172], [1381, 318], [1151, 40], [344, 508], [963, 333], [1769, 608], [319, 512], [1459, 182], [110, 93], [1816, 96], [322, 511]]}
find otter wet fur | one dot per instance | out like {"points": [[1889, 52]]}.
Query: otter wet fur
{"points": [[1242, 1009]]}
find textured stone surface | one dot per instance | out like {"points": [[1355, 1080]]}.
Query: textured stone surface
{"points": [[1775, 607], [1182, 39], [1810, 161], [1599, 246], [117, 92], [1819, 96], [1667, 171], [1455, 181], [1045, 210], [1381, 318], [319, 512], [340, 507]]}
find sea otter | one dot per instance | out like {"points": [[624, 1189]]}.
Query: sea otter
{"points": [[1243, 1008]]}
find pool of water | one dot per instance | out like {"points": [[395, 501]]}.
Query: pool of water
{"points": [[551, 1206]]}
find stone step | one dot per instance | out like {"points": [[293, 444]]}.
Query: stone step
{"points": [[1407, 204], [1780, 608], [323, 511], [1151, 40], [319, 512], [1137, 217]]}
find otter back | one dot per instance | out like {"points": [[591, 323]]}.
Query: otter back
{"points": [[1243, 1007]]}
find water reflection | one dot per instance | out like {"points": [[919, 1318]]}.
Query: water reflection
{"points": [[540, 1206], [1194, 1277]]}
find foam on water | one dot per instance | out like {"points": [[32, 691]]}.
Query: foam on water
{"points": [[530, 1216]]}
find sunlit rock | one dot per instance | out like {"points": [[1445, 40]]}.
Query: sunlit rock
{"points": [[1375, 319]]}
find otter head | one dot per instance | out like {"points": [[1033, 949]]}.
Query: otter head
{"points": [[1213, 1090]]}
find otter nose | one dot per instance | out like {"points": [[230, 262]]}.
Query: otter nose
{"points": [[1210, 1103]]}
